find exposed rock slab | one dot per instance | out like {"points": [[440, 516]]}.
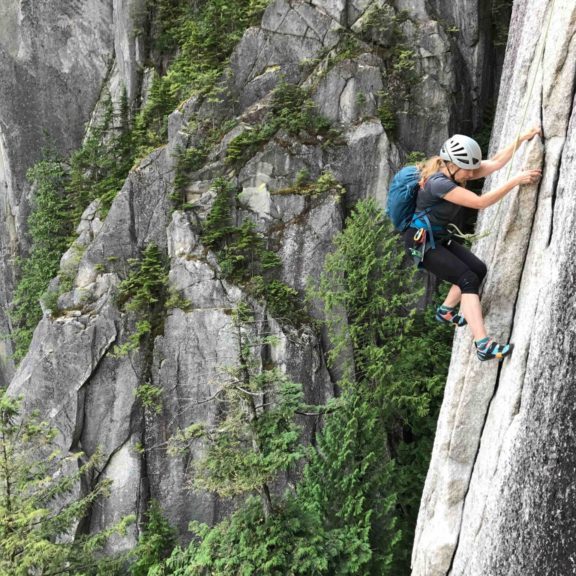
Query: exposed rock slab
{"points": [[497, 496]]}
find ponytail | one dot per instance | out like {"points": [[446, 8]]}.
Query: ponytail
{"points": [[429, 167]]}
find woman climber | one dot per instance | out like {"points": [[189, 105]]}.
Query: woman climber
{"points": [[441, 197]]}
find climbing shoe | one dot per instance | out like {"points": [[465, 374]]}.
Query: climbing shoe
{"points": [[448, 315], [487, 349]]}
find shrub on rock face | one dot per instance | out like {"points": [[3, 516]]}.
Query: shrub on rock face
{"points": [[50, 229], [368, 472]]}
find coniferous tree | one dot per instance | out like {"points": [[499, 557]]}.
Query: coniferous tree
{"points": [[354, 510], [255, 442], [367, 474], [38, 509]]}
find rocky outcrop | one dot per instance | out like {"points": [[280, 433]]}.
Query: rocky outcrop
{"points": [[72, 372], [498, 497], [56, 59]]}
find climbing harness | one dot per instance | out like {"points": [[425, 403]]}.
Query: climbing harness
{"points": [[424, 235], [452, 228]]}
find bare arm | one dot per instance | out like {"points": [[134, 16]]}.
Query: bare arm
{"points": [[468, 199], [502, 158]]}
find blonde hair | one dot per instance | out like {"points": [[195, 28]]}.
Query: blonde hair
{"points": [[429, 167]]}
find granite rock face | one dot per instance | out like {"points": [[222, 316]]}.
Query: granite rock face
{"points": [[56, 59], [499, 495], [73, 372]]}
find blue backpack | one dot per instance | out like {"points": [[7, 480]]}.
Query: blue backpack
{"points": [[401, 202]]}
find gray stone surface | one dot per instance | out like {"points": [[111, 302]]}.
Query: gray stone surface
{"points": [[55, 58], [291, 33], [367, 163], [70, 372], [498, 497], [349, 91]]}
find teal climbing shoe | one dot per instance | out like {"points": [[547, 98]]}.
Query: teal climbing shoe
{"points": [[487, 349], [448, 315]]}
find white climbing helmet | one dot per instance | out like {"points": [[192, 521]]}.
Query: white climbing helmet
{"points": [[462, 151]]}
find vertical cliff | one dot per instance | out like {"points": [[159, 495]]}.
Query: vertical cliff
{"points": [[390, 79], [499, 497], [56, 59]]}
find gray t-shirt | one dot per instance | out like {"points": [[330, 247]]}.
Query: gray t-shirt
{"points": [[431, 197]]}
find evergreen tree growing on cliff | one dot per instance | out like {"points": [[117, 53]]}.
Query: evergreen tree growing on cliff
{"points": [[38, 507], [367, 474], [255, 443], [355, 508]]}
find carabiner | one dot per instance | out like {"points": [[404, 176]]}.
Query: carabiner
{"points": [[420, 236]]}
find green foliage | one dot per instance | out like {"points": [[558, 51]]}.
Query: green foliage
{"points": [[62, 193], [244, 258], [155, 543], [501, 11], [150, 397], [143, 293], [167, 16], [387, 113], [177, 300], [37, 507], [50, 228], [415, 157], [208, 134], [246, 144], [204, 39], [354, 510], [143, 328], [252, 445], [326, 183], [100, 167], [302, 177], [218, 225], [255, 441], [188, 160], [382, 27], [381, 24], [291, 109], [292, 541], [372, 455], [283, 301], [258, 438], [348, 48], [146, 284]]}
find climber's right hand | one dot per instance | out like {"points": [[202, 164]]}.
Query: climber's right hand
{"points": [[528, 177]]}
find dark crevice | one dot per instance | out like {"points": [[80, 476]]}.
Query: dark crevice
{"points": [[75, 444], [556, 181], [132, 222], [518, 404]]}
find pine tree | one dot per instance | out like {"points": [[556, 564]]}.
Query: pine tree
{"points": [[354, 510], [360, 479], [256, 441], [38, 511]]}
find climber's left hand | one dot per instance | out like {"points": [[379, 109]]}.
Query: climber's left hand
{"points": [[535, 130]]}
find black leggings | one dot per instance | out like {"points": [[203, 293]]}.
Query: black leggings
{"points": [[454, 263]]}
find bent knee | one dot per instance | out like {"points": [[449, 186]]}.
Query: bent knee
{"points": [[481, 271], [469, 282]]}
